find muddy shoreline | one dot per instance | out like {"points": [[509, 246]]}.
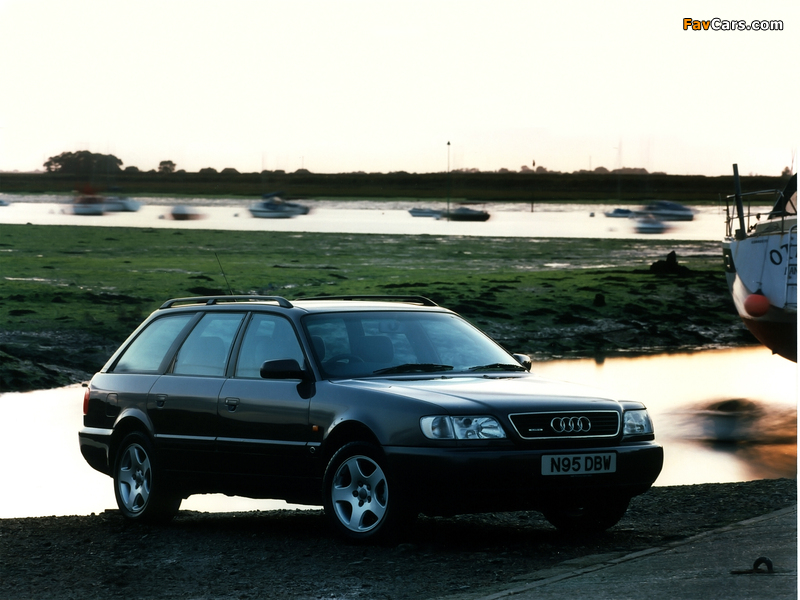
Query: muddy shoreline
{"points": [[293, 555], [705, 320]]}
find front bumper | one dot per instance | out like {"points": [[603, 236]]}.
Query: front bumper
{"points": [[442, 481]]}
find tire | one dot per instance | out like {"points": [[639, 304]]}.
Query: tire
{"points": [[587, 517], [138, 487], [361, 501]]}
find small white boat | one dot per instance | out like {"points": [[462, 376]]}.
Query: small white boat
{"points": [[88, 205], [667, 211], [761, 266], [650, 224], [121, 204], [272, 206]]}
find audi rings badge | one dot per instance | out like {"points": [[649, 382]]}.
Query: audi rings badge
{"points": [[571, 424]]}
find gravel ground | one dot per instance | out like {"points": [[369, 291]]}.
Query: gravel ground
{"points": [[292, 554]]}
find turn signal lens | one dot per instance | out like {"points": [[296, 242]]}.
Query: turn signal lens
{"points": [[437, 428]]}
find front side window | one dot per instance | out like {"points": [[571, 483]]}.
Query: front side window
{"points": [[150, 347], [268, 337], [206, 350]]}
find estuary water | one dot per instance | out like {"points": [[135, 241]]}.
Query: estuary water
{"points": [[44, 473], [364, 216]]}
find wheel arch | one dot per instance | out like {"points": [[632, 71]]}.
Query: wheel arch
{"points": [[128, 424], [345, 433]]}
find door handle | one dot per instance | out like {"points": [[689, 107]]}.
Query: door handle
{"points": [[161, 400], [231, 403]]}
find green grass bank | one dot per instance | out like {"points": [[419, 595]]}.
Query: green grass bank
{"points": [[70, 294]]}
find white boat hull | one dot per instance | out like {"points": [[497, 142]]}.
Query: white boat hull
{"points": [[765, 265], [277, 208]]}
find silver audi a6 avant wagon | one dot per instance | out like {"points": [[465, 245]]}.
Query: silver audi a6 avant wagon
{"points": [[376, 408]]}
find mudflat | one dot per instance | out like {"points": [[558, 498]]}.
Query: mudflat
{"points": [[293, 555], [72, 294]]}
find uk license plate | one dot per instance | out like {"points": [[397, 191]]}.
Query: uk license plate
{"points": [[579, 464]]}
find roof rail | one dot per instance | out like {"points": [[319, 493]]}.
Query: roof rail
{"points": [[385, 298], [283, 302]]}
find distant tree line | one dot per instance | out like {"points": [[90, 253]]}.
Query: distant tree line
{"points": [[82, 163], [76, 170], [87, 164]]}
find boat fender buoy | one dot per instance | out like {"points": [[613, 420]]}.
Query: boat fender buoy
{"points": [[756, 305]]}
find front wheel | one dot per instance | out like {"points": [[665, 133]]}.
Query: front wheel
{"points": [[138, 485], [360, 500], [589, 516]]}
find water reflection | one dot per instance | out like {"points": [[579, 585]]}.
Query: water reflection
{"points": [[721, 416], [762, 436], [44, 473]]}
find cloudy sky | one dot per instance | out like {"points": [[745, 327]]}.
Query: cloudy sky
{"points": [[382, 85]]}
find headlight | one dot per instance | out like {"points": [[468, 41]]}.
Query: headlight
{"points": [[461, 428], [637, 422]]}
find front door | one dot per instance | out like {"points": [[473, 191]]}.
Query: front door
{"points": [[264, 428]]}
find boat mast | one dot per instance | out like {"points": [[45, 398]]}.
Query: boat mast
{"points": [[741, 233]]}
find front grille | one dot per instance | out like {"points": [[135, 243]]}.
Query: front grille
{"points": [[568, 424]]}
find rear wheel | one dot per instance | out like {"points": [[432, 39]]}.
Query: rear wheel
{"points": [[361, 501], [138, 485], [590, 516]]}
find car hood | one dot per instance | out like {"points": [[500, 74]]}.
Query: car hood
{"points": [[459, 393]]}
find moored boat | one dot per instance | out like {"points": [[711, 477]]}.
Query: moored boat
{"points": [[620, 213], [761, 266], [182, 212], [667, 211], [464, 213], [88, 205], [650, 224], [272, 206], [425, 212], [121, 204]]}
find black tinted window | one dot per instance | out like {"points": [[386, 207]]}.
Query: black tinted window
{"points": [[268, 337], [205, 351], [150, 346]]}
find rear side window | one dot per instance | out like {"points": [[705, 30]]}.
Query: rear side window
{"points": [[206, 350], [150, 347]]}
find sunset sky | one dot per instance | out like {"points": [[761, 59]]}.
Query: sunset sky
{"points": [[380, 86]]}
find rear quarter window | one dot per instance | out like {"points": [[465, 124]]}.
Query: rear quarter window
{"points": [[148, 350]]}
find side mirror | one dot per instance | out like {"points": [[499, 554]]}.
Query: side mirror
{"points": [[524, 360], [284, 368]]}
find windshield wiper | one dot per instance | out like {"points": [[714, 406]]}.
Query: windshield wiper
{"points": [[498, 367], [413, 368]]}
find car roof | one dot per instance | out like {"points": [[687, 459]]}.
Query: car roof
{"points": [[314, 304]]}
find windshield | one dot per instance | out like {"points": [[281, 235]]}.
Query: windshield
{"points": [[365, 344]]}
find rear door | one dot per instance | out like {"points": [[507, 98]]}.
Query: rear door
{"points": [[183, 402]]}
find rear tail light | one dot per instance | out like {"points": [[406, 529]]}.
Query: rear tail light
{"points": [[86, 400]]}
